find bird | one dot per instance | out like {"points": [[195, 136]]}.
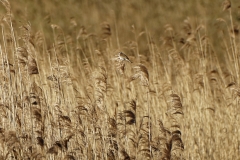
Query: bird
{"points": [[123, 57]]}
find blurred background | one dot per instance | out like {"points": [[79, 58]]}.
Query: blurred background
{"points": [[123, 16]]}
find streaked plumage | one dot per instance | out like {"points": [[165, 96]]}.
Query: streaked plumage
{"points": [[123, 57]]}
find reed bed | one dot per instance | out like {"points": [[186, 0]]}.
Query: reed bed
{"points": [[65, 94]]}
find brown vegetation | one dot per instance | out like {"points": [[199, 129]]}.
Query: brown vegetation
{"points": [[65, 95]]}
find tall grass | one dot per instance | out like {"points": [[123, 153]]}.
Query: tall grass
{"points": [[66, 95]]}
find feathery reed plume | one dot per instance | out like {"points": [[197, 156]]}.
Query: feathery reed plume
{"points": [[12, 144], [33, 153], [112, 127], [32, 66], [100, 86], [106, 30], [8, 15], [175, 115], [82, 33], [53, 150], [39, 38], [73, 22], [124, 155], [22, 55], [143, 139], [87, 67], [129, 114], [234, 31], [176, 145], [30, 51], [169, 38], [120, 67], [141, 73], [226, 4], [36, 93], [178, 60], [37, 114], [161, 143], [198, 81], [40, 141]]}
